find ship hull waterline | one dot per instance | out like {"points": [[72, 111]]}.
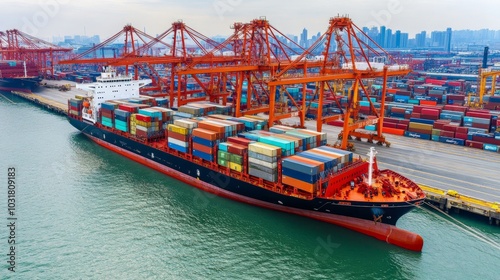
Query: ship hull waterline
{"points": [[354, 217]]}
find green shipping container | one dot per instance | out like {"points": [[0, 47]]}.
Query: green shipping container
{"points": [[222, 162], [223, 155], [235, 158]]}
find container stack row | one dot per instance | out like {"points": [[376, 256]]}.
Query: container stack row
{"points": [[75, 107], [263, 161], [306, 169]]}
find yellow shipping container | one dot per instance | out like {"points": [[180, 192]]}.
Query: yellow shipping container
{"points": [[142, 123], [178, 129], [265, 149], [422, 126], [235, 166]]}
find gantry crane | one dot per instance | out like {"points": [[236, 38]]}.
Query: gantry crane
{"points": [[346, 53], [17, 45], [258, 51], [484, 75]]}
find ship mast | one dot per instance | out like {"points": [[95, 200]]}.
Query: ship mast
{"points": [[371, 160], [25, 71]]}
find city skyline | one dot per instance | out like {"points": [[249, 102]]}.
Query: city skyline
{"points": [[48, 18], [440, 40]]}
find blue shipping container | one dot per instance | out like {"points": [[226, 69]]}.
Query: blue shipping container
{"points": [[453, 141], [418, 135], [203, 155]]}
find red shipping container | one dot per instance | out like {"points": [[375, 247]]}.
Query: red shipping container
{"points": [[415, 115], [431, 111], [178, 136], [462, 129], [462, 136], [202, 148], [445, 133], [141, 134], [478, 115], [391, 120], [143, 118], [455, 108], [336, 123], [438, 125], [474, 144], [488, 140], [390, 125], [107, 115], [455, 97], [481, 125], [450, 127], [417, 109], [128, 108], [402, 126], [429, 117], [407, 122], [237, 149], [398, 110], [239, 141]]}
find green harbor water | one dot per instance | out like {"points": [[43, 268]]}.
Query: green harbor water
{"points": [[83, 212]]}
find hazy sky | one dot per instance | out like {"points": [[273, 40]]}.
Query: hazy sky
{"points": [[47, 18]]}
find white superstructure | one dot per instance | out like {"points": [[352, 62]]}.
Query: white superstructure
{"points": [[109, 86]]}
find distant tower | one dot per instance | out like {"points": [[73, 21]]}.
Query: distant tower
{"points": [[447, 40], [303, 39], [398, 39], [381, 40], [388, 38]]}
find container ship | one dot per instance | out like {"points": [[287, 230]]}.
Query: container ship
{"points": [[280, 168], [19, 75]]}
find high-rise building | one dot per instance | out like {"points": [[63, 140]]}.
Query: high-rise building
{"points": [[404, 40], [421, 39], [397, 38], [381, 40], [303, 39], [388, 38], [447, 40]]}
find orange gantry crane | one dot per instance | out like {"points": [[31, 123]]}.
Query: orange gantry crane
{"points": [[158, 58], [347, 54], [17, 45], [254, 54]]}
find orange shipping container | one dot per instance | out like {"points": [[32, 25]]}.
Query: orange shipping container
{"points": [[212, 127], [307, 187], [428, 102], [394, 131], [202, 148], [177, 136], [205, 134]]}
